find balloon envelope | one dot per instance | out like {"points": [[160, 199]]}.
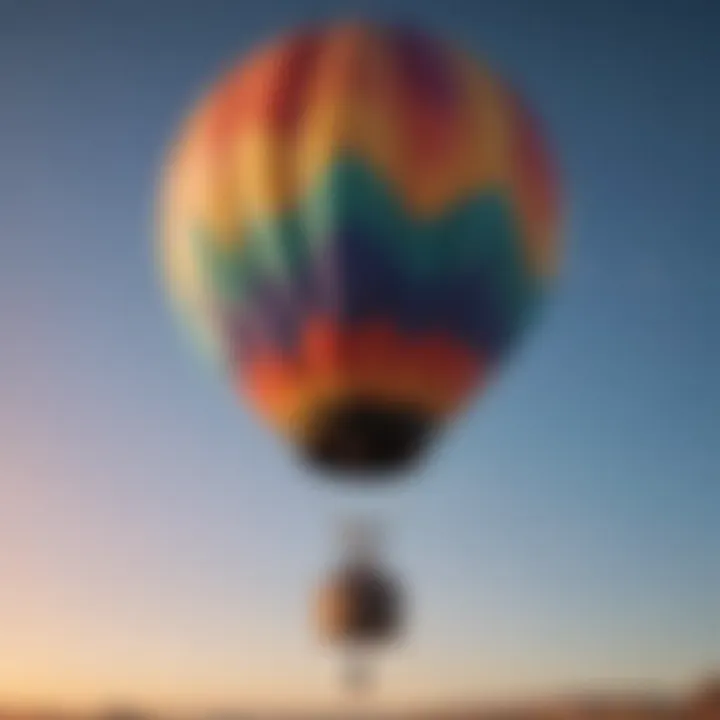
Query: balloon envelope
{"points": [[359, 221]]}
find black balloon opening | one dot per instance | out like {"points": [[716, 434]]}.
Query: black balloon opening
{"points": [[368, 436]]}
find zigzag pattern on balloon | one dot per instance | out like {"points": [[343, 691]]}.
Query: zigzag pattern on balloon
{"points": [[437, 127], [447, 297], [350, 252]]}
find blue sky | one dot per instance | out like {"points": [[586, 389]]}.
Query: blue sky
{"points": [[158, 544]]}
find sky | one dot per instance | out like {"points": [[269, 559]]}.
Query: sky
{"points": [[158, 545]]}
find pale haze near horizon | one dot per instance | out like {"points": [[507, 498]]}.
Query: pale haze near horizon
{"points": [[158, 546]]}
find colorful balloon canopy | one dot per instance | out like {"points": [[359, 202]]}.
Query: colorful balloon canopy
{"points": [[359, 222]]}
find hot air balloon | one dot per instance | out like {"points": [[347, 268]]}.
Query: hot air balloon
{"points": [[360, 608], [359, 222]]}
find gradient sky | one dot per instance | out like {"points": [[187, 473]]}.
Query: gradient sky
{"points": [[157, 545]]}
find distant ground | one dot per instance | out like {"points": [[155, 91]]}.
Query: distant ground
{"points": [[702, 703]]}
